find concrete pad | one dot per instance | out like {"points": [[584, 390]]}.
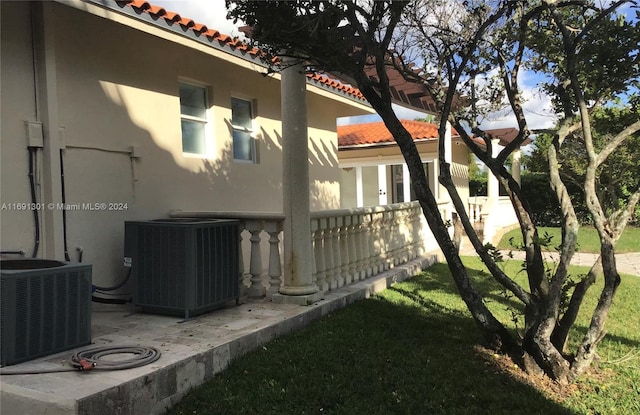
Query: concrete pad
{"points": [[193, 351]]}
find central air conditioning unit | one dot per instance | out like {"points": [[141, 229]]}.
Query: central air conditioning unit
{"points": [[183, 267], [45, 309]]}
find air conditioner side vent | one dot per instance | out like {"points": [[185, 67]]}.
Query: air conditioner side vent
{"points": [[183, 267], [43, 310]]}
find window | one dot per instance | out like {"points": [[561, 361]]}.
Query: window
{"points": [[242, 124], [398, 183], [193, 118]]}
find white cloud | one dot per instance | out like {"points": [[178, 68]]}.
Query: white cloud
{"points": [[537, 108]]}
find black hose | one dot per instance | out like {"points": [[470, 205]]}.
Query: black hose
{"points": [[115, 287], [32, 185], [64, 211], [102, 300]]}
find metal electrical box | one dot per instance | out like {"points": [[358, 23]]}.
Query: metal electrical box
{"points": [[45, 308], [183, 267]]}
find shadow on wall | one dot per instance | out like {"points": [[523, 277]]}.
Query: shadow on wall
{"points": [[119, 106]]}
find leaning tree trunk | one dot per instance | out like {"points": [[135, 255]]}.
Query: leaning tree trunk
{"points": [[495, 333]]}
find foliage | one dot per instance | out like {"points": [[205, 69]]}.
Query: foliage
{"points": [[412, 350], [467, 56], [616, 178], [544, 206], [477, 178], [588, 240]]}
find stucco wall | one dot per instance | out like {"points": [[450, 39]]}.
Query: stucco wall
{"points": [[17, 105], [117, 88]]}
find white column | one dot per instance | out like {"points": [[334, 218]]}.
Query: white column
{"points": [[295, 188], [406, 183], [493, 193], [493, 190], [433, 174], [359, 187], [382, 184], [515, 165], [448, 154]]}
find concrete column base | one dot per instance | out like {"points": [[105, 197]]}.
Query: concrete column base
{"points": [[306, 299]]}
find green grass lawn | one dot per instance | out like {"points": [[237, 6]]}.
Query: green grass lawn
{"points": [[413, 349], [588, 240]]}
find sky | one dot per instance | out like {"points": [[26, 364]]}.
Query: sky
{"points": [[213, 14]]}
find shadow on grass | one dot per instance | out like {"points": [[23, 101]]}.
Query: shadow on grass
{"points": [[398, 353]]}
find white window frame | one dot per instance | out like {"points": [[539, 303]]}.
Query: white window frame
{"points": [[209, 148], [251, 131]]}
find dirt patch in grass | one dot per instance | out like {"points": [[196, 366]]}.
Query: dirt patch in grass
{"points": [[503, 364]]}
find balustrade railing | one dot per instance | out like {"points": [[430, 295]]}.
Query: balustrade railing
{"points": [[349, 245]]}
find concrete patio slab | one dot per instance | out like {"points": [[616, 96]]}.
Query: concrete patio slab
{"points": [[193, 351]]}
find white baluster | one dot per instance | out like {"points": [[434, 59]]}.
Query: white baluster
{"points": [[366, 238], [326, 225], [406, 242], [354, 271], [319, 254], [275, 268], [257, 289], [386, 234], [337, 254], [344, 250], [242, 288], [374, 245]]}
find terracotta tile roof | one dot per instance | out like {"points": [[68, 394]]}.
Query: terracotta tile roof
{"points": [[213, 36], [506, 135], [373, 133]]}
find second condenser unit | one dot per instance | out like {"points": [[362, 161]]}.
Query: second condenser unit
{"points": [[182, 267]]}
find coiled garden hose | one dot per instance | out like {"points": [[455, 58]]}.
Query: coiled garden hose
{"points": [[92, 359]]}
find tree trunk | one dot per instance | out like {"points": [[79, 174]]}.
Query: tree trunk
{"points": [[561, 332], [595, 332], [495, 333]]}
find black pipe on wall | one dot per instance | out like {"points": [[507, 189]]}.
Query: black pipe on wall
{"points": [[32, 185], [64, 211]]}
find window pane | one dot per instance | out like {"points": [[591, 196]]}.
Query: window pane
{"points": [[398, 182], [193, 101], [193, 137], [241, 113], [242, 145]]}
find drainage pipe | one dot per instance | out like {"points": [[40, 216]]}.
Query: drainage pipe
{"points": [[32, 186], [20, 252], [107, 289], [64, 211]]}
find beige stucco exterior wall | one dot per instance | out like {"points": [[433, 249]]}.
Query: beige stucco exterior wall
{"points": [[117, 88], [16, 77]]}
